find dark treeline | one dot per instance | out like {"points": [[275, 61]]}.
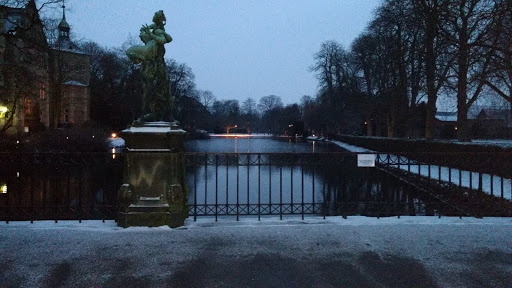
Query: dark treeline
{"points": [[116, 99], [388, 82], [385, 84]]}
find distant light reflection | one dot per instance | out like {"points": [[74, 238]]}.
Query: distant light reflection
{"points": [[234, 135]]}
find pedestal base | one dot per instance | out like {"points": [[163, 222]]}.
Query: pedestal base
{"points": [[150, 219], [154, 193]]}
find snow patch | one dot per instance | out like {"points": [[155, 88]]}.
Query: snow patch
{"points": [[116, 142], [110, 226], [352, 148], [490, 184]]}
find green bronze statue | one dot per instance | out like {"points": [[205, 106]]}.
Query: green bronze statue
{"points": [[156, 98]]}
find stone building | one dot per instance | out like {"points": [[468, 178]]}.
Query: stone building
{"points": [[70, 72], [41, 86], [24, 77]]}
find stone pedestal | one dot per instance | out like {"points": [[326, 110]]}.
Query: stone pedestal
{"points": [[154, 193]]}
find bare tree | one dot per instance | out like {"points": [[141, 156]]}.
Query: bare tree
{"points": [[206, 98], [365, 58], [467, 26], [437, 60], [181, 78], [391, 46], [249, 107], [24, 59], [500, 75], [269, 102]]}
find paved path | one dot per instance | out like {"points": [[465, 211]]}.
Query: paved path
{"points": [[357, 252]]}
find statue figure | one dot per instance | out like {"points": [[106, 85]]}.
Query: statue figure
{"points": [[156, 97]]}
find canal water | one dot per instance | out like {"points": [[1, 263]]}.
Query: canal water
{"points": [[258, 145], [225, 176], [273, 176]]}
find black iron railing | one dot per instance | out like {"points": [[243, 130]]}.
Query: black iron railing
{"points": [[333, 184], [59, 186], [81, 186]]}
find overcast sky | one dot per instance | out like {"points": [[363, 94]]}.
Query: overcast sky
{"points": [[236, 48]]}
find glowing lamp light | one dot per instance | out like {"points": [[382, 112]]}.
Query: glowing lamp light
{"points": [[3, 110], [456, 128], [3, 189], [229, 127], [114, 135]]}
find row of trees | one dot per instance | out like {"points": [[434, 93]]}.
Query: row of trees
{"points": [[410, 53], [116, 98], [387, 83], [115, 86]]}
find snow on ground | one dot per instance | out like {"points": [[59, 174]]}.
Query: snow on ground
{"points": [[355, 252], [116, 142], [504, 143], [251, 221], [352, 148], [491, 184]]}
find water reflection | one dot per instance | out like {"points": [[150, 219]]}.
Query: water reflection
{"points": [[59, 186], [329, 184], [258, 145]]}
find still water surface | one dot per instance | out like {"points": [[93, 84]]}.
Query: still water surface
{"points": [[330, 183], [258, 145], [229, 176]]}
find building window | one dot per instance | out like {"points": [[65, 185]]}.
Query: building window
{"points": [[28, 106], [42, 62], [66, 116], [42, 92]]}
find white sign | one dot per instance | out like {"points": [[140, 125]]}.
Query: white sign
{"points": [[366, 160]]}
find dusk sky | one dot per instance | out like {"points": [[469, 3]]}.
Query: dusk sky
{"points": [[236, 49]]}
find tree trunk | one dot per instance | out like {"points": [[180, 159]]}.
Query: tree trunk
{"points": [[462, 85], [430, 64], [391, 126], [369, 125]]}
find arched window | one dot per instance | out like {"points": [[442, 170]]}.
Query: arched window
{"points": [[28, 106], [42, 92], [66, 115]]}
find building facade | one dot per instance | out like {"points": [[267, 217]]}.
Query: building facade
{"points": [[70, 71], [24, 74], [41, 86]]}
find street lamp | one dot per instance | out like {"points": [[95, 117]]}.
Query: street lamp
{"points": [[229, 127], [3, 111]]}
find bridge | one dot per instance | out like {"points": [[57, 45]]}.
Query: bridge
{"points": [[81, 186]]}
